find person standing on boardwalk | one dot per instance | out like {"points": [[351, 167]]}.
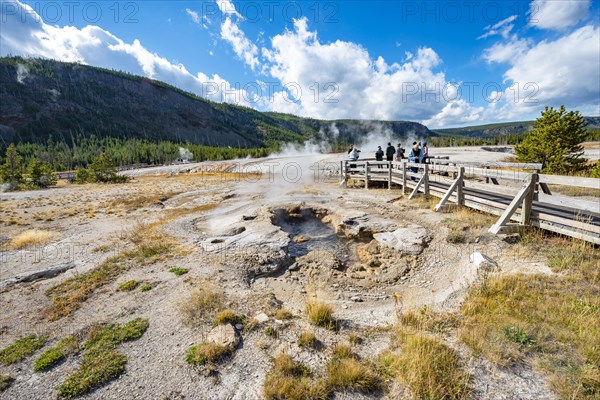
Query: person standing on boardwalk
{"points": [[424, 152], [390, 151], [379, 155], [415, 156], [400, 152]]}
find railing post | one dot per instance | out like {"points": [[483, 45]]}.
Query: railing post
{"points": [[460, 197], [487, 178], [528, 200], [390, 175], [404, 177], [426, 181], [343, 173], [366, 174]]}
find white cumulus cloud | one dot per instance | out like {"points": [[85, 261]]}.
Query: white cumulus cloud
{"points": [[242, 46], [341, 80], [557, 14]]}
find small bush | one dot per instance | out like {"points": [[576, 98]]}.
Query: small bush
{"points": [[307, 339], [320, 314], [289, 380], [31, 237], [128, 286], [203, 353], [21, 349], [227, 317], [179, 271]]}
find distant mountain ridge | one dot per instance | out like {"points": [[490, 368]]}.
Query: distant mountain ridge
{"points": [[69, 99], [503, 129]]}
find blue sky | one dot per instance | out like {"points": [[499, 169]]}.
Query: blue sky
{"points": [[441, 63]]}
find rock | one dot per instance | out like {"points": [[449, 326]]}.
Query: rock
{"points": [[326, 219], [411, 240], [321, 259], [239, 327], [224, 335], [261, 317], [34, 276], [484, 262], [356, 299], [301, 239]]}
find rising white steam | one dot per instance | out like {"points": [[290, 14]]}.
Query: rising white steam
{"points": [[185, 154], [22, 73]]}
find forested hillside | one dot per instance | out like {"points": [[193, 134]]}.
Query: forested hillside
{"points": [[67, 101]]}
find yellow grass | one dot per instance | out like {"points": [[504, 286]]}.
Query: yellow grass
{"points": [[32, 237], [552, 321], [427, 366]]}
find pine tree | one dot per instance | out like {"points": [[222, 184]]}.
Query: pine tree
{"points": [[555, 141], [40, 175], [12, 170]]}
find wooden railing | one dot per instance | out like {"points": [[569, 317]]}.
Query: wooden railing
{"points": [[516, 206]]}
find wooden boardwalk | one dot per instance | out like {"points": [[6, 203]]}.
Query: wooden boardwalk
{"points": [[454, 181]]}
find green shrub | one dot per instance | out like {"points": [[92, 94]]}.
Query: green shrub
{"points": [[179, 271], [21, 349], [204, 353], [128, 286], [102, 361]]}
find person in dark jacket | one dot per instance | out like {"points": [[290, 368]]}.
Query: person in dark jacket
{"points": [[350, 148], [379, 155], [389, 152]]}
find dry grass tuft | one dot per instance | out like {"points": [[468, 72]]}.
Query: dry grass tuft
{"points": [[427, 366], [320, 314], [31, 237], [289, 380], [206, 353], [227, 317], [345, 372], [284, 315], [425, 319], [307, 339], [201, 304]]}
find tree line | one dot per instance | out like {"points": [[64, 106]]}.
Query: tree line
{"points": [[60, 156]]}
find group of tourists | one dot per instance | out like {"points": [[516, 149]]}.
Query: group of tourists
{"points": [[419, 153]]}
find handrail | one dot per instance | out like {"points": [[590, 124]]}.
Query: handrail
{"points": [[524, 208]]}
